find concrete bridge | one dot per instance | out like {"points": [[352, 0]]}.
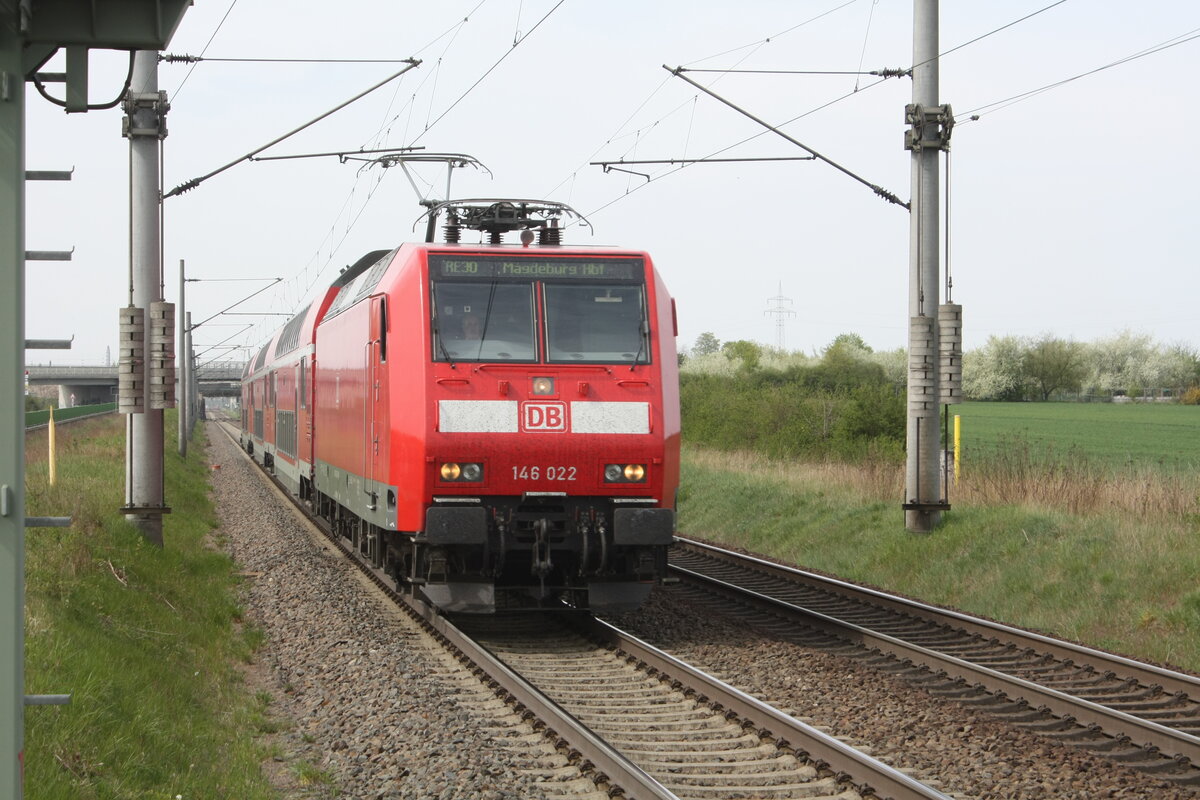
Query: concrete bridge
{"points": [[99, 384]]}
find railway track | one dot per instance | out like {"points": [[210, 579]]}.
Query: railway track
{"points": [[638, 722], [1139, 714], [698, 737]]}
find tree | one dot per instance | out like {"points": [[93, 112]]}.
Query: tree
{"points": [[1121, 363], [1052, 364], [996, 371], [706, 344], [894, 364], [746, 352], [850, 341], [846, 363]]}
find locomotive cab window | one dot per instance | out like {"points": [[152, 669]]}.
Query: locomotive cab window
{"points": [[588, 310], [483, 321], [596, 322]]}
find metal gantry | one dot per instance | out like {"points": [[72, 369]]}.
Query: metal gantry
{"points": [[30, 34], [12, 401]]}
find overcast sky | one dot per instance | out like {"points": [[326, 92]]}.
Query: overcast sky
{"points": [[1074, 211]]}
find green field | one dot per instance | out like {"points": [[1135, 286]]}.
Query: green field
{"points": [[1108, 434]]}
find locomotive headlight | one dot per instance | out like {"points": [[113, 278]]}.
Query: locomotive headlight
{"points": [[624, 473], [452, 472], [543, 385]]}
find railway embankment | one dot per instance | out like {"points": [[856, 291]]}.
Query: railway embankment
{"points": [[151, 644], [1120, 573]]}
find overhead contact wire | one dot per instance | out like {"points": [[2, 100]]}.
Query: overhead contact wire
{"points": [[489, 71], [1183, 38], [866, 37], [204, 50], [885, 73]]}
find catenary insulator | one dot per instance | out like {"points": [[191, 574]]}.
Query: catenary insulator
{"points": [[950, 353], [131, 364]]}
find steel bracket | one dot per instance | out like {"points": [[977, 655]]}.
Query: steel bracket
{"points": [[145, 114], [934, 506], [929, 126]]}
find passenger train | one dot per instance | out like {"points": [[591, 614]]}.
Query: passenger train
{"points": [[494, 425]]}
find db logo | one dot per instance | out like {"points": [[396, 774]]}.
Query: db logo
{"points": [[543, 416]]}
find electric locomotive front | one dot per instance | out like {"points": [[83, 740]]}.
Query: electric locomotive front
{"points": [[497, 425], [552, 453]]}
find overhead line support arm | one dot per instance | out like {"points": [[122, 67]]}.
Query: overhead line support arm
{"points": [[879, 190], [194, 182]]}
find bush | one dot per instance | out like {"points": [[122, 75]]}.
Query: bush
{"points": [[793, 414], [1191, 397]]}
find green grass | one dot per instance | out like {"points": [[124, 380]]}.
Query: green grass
{"points": [[62, 414], [1112, 434], [145, 640], [1122, 584]]}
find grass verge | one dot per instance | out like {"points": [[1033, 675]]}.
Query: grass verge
{"points": [[146, 640], [1124, 582]]}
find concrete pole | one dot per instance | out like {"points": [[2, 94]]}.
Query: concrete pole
{"points": [[12, 404], [922, 474], [144, 499], [181, 366]]}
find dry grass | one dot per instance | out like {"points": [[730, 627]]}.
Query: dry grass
{"points": [[1013, 479], [1141, 492]]}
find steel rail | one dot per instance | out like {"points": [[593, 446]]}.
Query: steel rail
{"points": [[624, 777], [1168, 741], [1146, 674], [613, 767], [870, 775]]}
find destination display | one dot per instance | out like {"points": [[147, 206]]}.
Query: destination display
{"points": [[500, 267]]}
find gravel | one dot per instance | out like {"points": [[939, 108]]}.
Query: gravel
{"points": [[946, 744], [370, 706]]}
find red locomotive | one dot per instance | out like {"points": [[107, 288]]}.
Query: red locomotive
{"points": [[486, 423]]}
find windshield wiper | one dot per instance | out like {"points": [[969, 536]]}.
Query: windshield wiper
{"points": [[642, 336], [437, 332]]}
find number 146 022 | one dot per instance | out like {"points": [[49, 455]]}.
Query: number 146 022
{"points": [[551, 473]]}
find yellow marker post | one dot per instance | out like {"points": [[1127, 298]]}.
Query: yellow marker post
{"points": [[53, 469], [957, 444]]}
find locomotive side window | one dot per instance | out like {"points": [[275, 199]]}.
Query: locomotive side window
{"points": [[474, 321], [596, 322]]}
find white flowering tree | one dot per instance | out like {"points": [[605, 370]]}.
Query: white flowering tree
{"points": [[996, 371]]}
